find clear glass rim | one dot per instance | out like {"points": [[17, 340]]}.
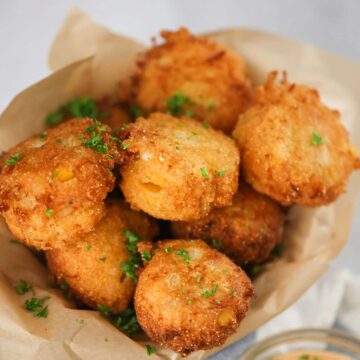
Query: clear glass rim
{"points": [[328, 336]]}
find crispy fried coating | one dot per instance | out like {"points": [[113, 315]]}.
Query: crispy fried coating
{"points": [[294, 148], [52, 186], [113, 114], [211, 76], [191, 297], [91, 265], [246, 231], [181, 169]]}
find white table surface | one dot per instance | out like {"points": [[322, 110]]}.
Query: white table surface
{"points": [[28, 27]]}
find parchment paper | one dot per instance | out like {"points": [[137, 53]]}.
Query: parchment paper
{"points": [[99, 59]]}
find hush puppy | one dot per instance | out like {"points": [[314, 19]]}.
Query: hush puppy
{"points": [[246, 231], [180, 170], [294, 148], [91, 266], [191, 297], [193, 75], [53, 185]]}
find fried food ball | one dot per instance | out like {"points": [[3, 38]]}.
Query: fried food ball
{"points": [[294, 148], [181, 170], [90, 266], [246, 231], [190, 296], [113, 115], [53, 185], [207, 78]]}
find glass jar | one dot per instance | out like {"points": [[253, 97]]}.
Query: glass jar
{"points": [[304, 343]]}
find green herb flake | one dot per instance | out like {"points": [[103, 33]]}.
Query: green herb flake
{"points": [[168, 249], [205, 125], [189, 302], [15, 242], [317, 139], [184, 254], [204, 173], [220, 173], [135, 112], [234, 293], [256, 270], [22, 287], [304, 357], [65, 288], [130, 267], [49, 212], [127, 322], [78, 107], [194, 133], [150, 350], [218, 301], [103, 259], [198, 278], [14, 159], [216, 243], [211, 292], [176, 104], [42, 135], [36, 306], [146, 255], [88, 247], [104, 310], [132, 239], [81, 321], [277, 250]]}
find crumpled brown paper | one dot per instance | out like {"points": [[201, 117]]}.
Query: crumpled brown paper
{"points": [[98, 60]]}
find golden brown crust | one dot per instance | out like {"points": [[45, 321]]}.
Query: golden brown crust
{"points": [[246, 231], [55, 191], [113, 114], [293, 148], [91, 266], [191, 303], [210, 75], [174, 173]]}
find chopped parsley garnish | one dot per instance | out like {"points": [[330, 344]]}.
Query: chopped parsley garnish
{"points": [[130, 267], [134, 112], [14, 159], [49, 212], [222, 172], [36, 306], [194, 133], [150, 350], [256, 270], [13, 241], [119, 142], [168, 249], [22, 287], [42, 135], [64, 287], [216, 243], [317, 139], [218, 301], [96, 142], [277, 250], [104, 310], [88, 247], [176, 104], [198, 278], [146, 255], [234, 293], [211, 292], [204, 173], [184, 254], [103, 259], [132, 240], [127, 322], [78, 107], [206, 125]]}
